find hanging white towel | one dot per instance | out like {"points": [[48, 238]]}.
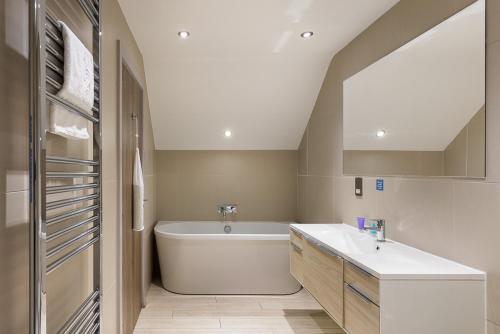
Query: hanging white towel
{"points": [[138, 183], [77, 88]]}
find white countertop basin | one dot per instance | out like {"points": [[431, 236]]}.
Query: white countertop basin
{"points": [[390, 260]]}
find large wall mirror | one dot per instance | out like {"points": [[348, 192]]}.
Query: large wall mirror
{"points": [[420, 111]]}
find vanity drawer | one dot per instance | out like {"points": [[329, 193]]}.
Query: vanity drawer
{"points": [[296, 256], [362, 281], [323, 278], [361, 316]]}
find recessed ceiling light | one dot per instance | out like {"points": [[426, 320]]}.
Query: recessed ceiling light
{"points": [[381, 133], [183, 34], [307, 34], [228, 133]]}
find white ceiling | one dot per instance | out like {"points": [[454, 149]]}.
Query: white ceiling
{"points": [[244, 67], [424, 93]]}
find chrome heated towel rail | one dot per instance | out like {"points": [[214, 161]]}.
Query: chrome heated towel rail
{"points": [[66, 192]]}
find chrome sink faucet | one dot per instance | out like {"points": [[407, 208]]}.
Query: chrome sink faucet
{"points": [[226, 209], [379, 228]]}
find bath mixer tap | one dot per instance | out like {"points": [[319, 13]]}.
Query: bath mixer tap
{"points": [[225, 209], [380, 228]]}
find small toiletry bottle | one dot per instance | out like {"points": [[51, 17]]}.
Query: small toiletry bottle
{"points": [[373, 229]]}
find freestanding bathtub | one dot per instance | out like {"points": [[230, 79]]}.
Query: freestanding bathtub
{"points": [[225, 258]]}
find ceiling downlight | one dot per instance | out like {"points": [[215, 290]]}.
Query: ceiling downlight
{"points": [[183, 34], [307, 34]]}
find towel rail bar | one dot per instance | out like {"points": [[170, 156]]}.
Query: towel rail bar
{"points": [[51, 19], [84, 322], [72, 187], [55, 39], [70, 214], [94, 329], [87, 314], [54, 67], [74, 175], [70, 201], [52, 36], [92, 6], [54, 265], [90, 300], [73, 161], [70, 242], [54, 83], [70, 228], [89, 13], [58, 55], [85, 326]]}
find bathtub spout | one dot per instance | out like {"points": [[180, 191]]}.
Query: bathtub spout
{"points": [[225, 209]]}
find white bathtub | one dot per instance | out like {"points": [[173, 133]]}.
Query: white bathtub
{"points": [[201, 258]]}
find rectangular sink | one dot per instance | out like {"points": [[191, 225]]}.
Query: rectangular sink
{"points": [[385, 260]]}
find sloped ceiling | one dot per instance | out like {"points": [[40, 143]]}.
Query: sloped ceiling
{"points": [[244, 66]]}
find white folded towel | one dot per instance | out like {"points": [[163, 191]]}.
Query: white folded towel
{"points": [[78, 88], [138, 184]]}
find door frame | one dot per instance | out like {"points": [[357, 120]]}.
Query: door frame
{"points": [[122, 61]]}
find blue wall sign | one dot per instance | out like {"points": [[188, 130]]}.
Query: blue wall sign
{"points": [[379, 184]]}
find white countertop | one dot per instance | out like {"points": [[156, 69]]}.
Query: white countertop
{"points": [[392, 261]]}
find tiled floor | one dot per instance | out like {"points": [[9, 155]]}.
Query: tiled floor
{"points": [[294, 314]]}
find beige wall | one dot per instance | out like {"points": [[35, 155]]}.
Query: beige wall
{"points": [[115, 28], [262, 183], [14, 202], [457, 219]]}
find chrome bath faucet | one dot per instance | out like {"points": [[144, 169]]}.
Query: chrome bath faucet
{"points": [[226, 209]]}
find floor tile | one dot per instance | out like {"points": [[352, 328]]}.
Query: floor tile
{"points": [[169, 313]]}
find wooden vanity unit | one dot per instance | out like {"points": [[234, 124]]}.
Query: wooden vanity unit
{"points": [[365, 293]]}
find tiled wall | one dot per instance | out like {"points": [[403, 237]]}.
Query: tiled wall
{"points": [[262, 183], [14, 202], [457, 219], [116, 28]]}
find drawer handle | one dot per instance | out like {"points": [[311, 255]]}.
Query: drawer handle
{"points": [[296, 247], [359, 294], [361, 271], [324, 249]]}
